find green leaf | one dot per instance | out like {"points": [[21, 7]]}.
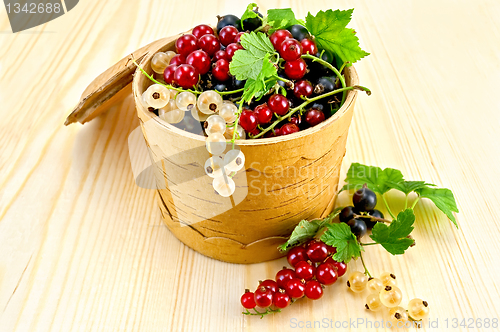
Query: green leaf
{"points": [[409, 186], [281, 19], [306, 230], [249, 13], [247, 63], [256, 88], [394, 238], [378, 180], [443, 198], [330, 32], [341, 237]]}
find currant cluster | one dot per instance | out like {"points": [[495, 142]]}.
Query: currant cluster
{"points": [[384, 293], [313, 269], [362, 216]]}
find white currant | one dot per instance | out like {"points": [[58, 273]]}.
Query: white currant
{"points": [[374, 285], [418, 309], [214, 167], [228, 112], [215, 124], [224, 186], [209, 102], [373, 302], [234, 160], [357, 281], [240, 132], [388, 279], [185, 101], [391, 296], [161, 60], [399, 316], [216, 143], [156, 96]]}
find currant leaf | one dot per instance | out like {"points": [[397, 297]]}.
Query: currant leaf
{"points": [[341, 237], [378, 180], [394, 238], [443, 198], [281, 19], [248, 63]]}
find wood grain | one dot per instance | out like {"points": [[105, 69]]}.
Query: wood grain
{"points": [[83, 248]]}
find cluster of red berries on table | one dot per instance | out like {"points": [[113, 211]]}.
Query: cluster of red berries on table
{"points": [[313, 268]]}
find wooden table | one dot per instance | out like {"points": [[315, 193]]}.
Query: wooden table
{"points": [[82, 248]]}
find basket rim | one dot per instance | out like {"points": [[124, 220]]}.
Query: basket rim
{"points": [[139, 77]]}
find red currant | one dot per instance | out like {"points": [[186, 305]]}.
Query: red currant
{"points": [[270, 284], [254, 132], [278, 37], [317, 252], [304, 270], [248, 300], [281, 300], [331, 250], [221, 55], [295, 288], [313, 290], [302, 88], [290, 49], [178, 60], [263, 297], [278, 104], [308, 46], [289, 128], [248, 120], [295, 70], [186, 76], [296, 254], [326, 274], [209, 43], [264, 115], [221, 70], [199, 60], [202, 30], [314, 116], [186, 44], [340, 266], [284, 276], [231, 49], [296, 120], [168, 74], [237, 38], [227, 34]]}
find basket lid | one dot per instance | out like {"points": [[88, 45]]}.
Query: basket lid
{"points": [[109, 83]]}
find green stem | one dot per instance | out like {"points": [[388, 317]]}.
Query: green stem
{"points": [[368, 244], [406, 202], [415, 202], [343, 66], [388, 208], [240, 109], [230, 92], [364, 265], [308, 101], [261, 314]]}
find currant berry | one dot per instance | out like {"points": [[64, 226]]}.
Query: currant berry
{"points": [[209, 102], [178, 60], [219, 55], [313, 290], [209, 44], [317, 251], [215, 124], [226, 20], [295, 288], [214, 167], [238, 84], [303, 88], [290, 49], [288, 128], [284, 276], [224, 186], [296, 255], [186, 76], [391, 296], [331, 250], [240, 132], [231, 49], [252, 23], [418, 309], [373, 302], [278, 104], [340, 266], [254, 132], [326, 274], [281, 300], [199, 60], [186, 44], [298, 31], [374, 285], [278, 37], [248, 120], [227, 34], [295, 70], [156, 96], [202, 30], [170, 113], [248, 300], [357, 281], [234, 160], [263, 113], [388, 279], [304, 270], [185, 101], [228, 112], [221, 70], [314, 117], [237, 38], [398, 315], [364, 199], [263, 297], [216, 143], [308, 46], [161, 60], [358, 227], [296, 120], [374, 213], [324, 84]]}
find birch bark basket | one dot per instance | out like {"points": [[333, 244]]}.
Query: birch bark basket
{"points": [[285, 179]]}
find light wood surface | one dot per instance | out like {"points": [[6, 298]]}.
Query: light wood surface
{"points": [[82, 248]]}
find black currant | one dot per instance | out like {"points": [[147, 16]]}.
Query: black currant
{"points": [[237, 84], [324, 84], [346, 214], [250, 24], [298, 32], [228, 20], [220, 86], [364, 199], [358, 227], [373, 213]]}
